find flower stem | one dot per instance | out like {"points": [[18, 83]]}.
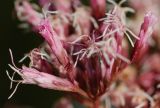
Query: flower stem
{"points": [[96, 104]]}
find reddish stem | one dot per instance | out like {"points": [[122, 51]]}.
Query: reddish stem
{"points": [[96, 104]]}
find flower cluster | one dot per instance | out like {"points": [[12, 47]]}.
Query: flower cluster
{"points": [[86, 49]]}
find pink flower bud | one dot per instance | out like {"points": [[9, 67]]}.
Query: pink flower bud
{"points": [[42, 79], [98, 8], [53, 40], [40, 63], [146, 30], [25, 12]]}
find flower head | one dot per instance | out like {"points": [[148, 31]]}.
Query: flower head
{"points": [[82, 54]]}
